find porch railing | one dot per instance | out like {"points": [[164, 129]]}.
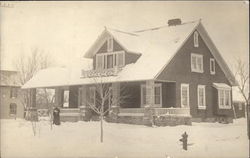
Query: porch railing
{"points": [[172, 111], [156, 111], [131, 112]]}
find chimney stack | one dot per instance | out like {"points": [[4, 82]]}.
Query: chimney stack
{"points": [[174, 22]]}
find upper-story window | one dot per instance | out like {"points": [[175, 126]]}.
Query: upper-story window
{"points": [[13, 92], [110, 44], [196, 39], [110, 60], [197, 63], [212, 66]]}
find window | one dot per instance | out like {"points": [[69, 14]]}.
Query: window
{"points": [[212, 66], [157, 95], [184, 95], [240, 106], [196, 63], [13, 92], [110, 60], [196, 39], [110, 44], [13, 109], [224, 99], [201, 92], [99, 61], [66, 98]]}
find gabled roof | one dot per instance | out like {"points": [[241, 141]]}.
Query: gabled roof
{"points": [[157, 46], [9, 78]]}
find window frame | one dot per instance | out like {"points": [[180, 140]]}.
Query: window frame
{"points": [[196, 68], [115, 60], [196, 39], [13, 92], [188, 97], [11, 109], [203, 87], [224, 106], [212, 64], [155, 85]]}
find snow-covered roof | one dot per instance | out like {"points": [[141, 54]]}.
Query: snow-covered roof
{"points": [[221, 86], [156, 46]]}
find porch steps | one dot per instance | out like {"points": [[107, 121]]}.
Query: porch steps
{"points": [[70, 114]]}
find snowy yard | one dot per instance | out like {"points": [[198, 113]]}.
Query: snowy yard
{"points": [[81, 139]]}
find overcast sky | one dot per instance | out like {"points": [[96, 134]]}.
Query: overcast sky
{"points": [[66, 30]]}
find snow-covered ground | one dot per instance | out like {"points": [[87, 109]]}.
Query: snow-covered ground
{"points": [[82, 139]]}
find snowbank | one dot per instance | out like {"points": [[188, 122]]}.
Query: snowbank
{"points": [[81, 139]]}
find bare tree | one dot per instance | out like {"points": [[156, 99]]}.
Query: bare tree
{"points": [[242, 76], [103, 97], [28, 66]]}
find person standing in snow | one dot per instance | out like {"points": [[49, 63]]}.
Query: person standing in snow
{"points": [[56, 116]]}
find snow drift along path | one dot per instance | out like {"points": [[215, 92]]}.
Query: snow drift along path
{"points": [[81, 139]]}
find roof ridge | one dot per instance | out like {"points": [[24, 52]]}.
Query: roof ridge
{"points": [[163, 26], [125, 32]]}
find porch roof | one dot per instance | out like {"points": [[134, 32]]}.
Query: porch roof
{"points": [[221, 86]]}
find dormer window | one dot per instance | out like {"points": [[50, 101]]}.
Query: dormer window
{"points": [[110, 44], [110, 60], [196, 39]]}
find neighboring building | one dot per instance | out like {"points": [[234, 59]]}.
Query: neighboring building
{"points": [[170, 72], [239, 103], [10, 97]]}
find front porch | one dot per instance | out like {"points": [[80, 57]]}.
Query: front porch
{"points": [[144, 102]]}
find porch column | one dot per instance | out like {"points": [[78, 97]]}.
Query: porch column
{"points": [[116, 95], [33, 97], [33, 110], [82, 104], [115, 101], [148, 111], [150, 93], [82, 99]]}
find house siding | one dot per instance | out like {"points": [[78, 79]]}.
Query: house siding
{"points": [[5, 102], [179, 70]]}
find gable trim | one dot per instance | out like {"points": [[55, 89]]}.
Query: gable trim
{"points": [[217, 56], [214, 51], [163, 68]]}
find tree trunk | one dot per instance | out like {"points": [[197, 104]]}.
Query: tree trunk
{"points": [[101, 128]]}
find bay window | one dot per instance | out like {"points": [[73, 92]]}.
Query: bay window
{"points": [[224, 98]]}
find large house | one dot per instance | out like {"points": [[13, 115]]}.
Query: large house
{"points": [[172, 74], [10, 97]]}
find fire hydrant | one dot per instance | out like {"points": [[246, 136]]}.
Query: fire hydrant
{"points": [[184, 140]]}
